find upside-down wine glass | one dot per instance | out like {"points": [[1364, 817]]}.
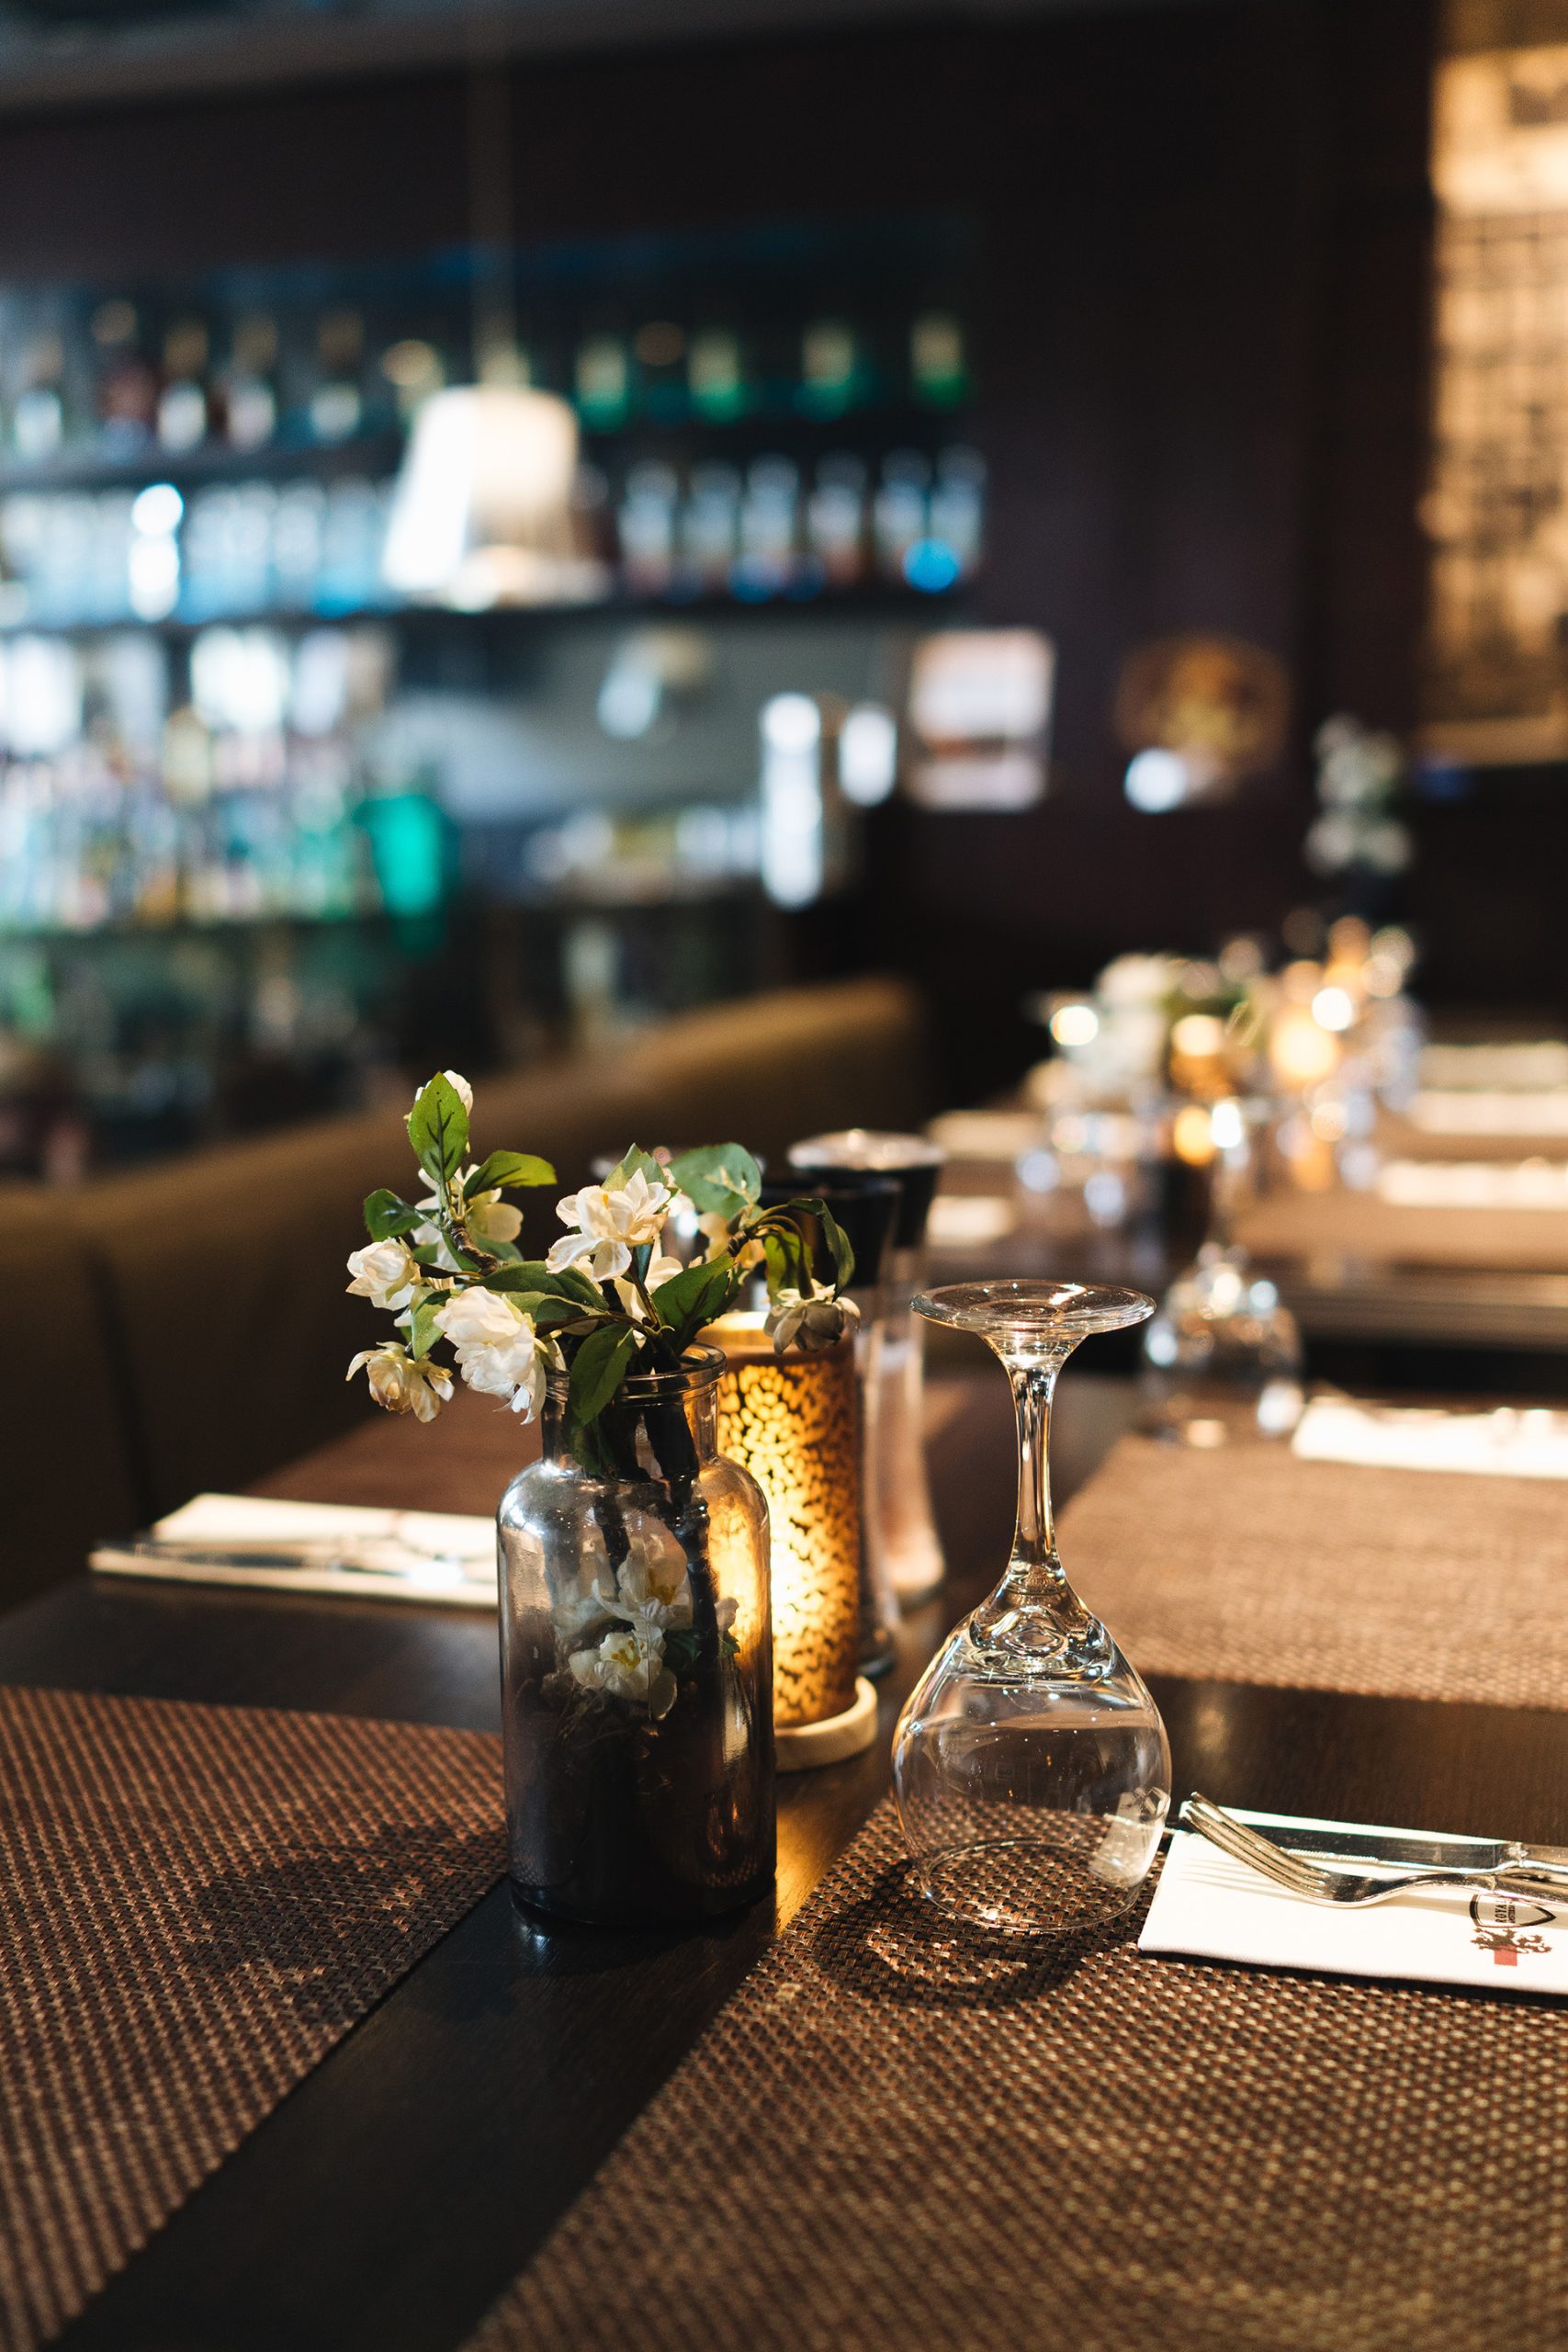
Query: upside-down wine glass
{"points": [[1031, 1767]]}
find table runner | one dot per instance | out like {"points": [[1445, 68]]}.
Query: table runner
{"points": [[894, 2137], [195, 1904], [1245, 1565]]}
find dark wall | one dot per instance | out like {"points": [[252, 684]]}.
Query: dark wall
{"points": [[1201, 345]]}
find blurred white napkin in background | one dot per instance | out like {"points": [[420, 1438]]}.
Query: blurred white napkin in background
{"points": [[342, 1549], [969, 1220], [1474, 1184], [986, 1134], [1513, 1441], [1210, 1907], [1524, 1064], [1455, 1112]]}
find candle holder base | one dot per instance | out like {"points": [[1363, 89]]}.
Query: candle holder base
{"points": [[802, 1747]]}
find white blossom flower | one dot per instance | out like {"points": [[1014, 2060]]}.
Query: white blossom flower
{"points": [[812, 1322], [385, 1273], [660, 1270], [608, 1225], [490, 1218], [628, 1665], [496, 1345], [654, 1584], [404, 1383]]}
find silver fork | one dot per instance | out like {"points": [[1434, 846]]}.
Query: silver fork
{"points": [[1299, 1876]]}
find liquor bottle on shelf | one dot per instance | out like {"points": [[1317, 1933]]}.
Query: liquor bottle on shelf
{"points": [[835, 520], [663, 392], [710, 524], [769, 560], [297, 524], [183, 404], [958, 507], [413, 369], [829, 368], [250, 387], [646, 530], [938, 371], [715, 376], [127, 386], [900, 513], [602, 380], [38, 419], [337, 404]]}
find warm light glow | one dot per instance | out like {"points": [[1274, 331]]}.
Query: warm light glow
{"points": [[1335, 1008], [1227, 1125], [1199, 1035], [1192, 1136], [793, 1421], [1075, 1024], [1301, 1051]]}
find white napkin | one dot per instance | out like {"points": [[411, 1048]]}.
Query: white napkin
{"points": [[969, 1220], [1528, 1441], [986, 1134], [1525, 1062], [1459, 1111], [1474, 1184], [1211, 1907], [366, 1555]]}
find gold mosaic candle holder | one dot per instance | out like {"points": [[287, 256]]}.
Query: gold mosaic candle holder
{"points": [[793, 1421]]}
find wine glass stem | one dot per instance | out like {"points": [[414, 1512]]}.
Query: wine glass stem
{"points": [[1034, 1577], [1034, 1385]]}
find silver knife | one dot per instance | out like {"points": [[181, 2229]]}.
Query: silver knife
{"points": [[1407, 1848]]}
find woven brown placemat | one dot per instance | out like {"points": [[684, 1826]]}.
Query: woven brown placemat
{"points": [[893, 2139], [1248, 1565], [195, 1904]]}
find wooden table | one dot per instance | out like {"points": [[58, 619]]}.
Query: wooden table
{"points": [[392, 2197]]}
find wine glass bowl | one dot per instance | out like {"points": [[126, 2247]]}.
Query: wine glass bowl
{"points": [[1030, 1766]]}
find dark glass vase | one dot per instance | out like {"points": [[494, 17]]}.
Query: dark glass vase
{"points": [[636, 1663]]}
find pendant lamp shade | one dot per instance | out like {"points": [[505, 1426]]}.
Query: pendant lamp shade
{"points": [[482, 513]]}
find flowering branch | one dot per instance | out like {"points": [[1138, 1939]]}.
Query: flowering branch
{"points": [[606, 1299]]}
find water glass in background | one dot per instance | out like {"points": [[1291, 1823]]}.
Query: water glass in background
{"points": [[1222, 1355], [897, 1491]]}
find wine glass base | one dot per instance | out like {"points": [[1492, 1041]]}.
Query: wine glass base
{"points": [[1019, 1886]]}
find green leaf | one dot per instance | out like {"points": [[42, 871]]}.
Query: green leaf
{"points": [[635, 1157], [508, 1167], [385, 1214], [721, 1176], [784, 1255], [532, 1273], [438, 1129], [599, 1367], [424, 1330], [695, 1295], [833, 1233], [838, 1241]]}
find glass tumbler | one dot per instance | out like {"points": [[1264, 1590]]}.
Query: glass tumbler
{"points": [[1030, 1766], [900, 1496]]}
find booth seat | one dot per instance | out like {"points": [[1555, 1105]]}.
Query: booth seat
{"points": [[187, 1327]]}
